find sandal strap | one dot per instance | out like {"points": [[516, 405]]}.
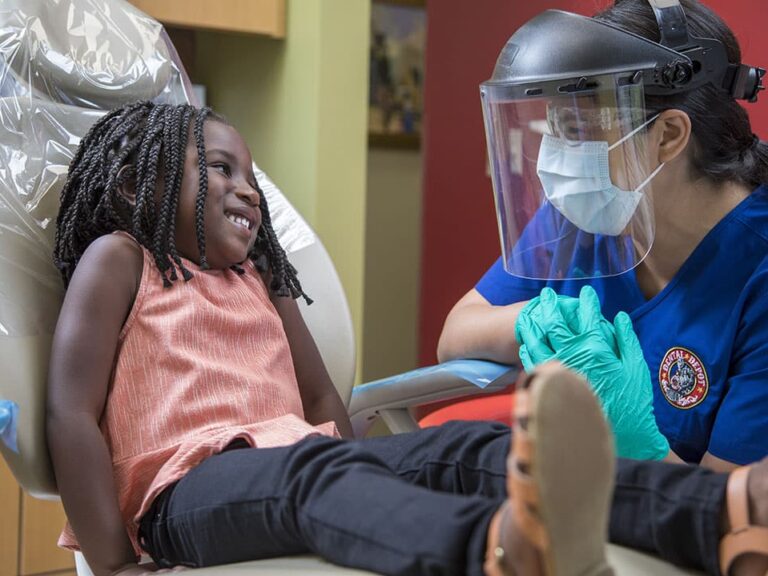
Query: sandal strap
{"points": [[738, 501], [524, 487], [750, 540], [530, 526], [743, 538], [499, 552], [522, 404], [522, 449], [525, 495]]}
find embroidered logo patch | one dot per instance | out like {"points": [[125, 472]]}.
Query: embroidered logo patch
{"points": [[683, 378]]}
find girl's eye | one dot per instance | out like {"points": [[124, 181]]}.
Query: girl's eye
{"points": [[223, 168]]}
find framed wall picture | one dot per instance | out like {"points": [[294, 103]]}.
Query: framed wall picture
{"points": [[398, 43]]}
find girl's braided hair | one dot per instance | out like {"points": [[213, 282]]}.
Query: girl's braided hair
{"points": [[140, 142]]}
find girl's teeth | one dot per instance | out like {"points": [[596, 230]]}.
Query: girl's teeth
{"points": [[240, 221]]}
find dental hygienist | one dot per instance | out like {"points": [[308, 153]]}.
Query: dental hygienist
{"points": [[623, 160]]}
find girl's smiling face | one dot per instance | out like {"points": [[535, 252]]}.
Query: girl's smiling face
{"points": [[231, 216]]}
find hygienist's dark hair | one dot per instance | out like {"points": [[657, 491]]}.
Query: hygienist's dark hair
{"points": [[724, 148], [145, 144]]}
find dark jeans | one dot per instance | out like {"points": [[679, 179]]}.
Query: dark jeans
{"points": [[671, 510], [416, 503]]}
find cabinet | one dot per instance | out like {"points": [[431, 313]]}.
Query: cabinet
{"points": [[41, 524], [10, 502], [29, 529], [252, 16]]}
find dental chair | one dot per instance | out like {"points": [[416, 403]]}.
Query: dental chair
{"points": [[62, 65]]}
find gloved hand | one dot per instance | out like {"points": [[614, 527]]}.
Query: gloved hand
{"points": [[539, 350], [609, 356]]}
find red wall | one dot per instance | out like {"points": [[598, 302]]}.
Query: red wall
{"points": [[747, 19], [459, 232]]}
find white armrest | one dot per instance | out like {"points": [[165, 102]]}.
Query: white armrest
{"points": [[391, 398]]}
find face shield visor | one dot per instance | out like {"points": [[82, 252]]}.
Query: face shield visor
{"points": [[572, 175], [566, 125]]}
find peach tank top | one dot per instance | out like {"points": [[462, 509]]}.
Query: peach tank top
{"points": [[198, 365]]}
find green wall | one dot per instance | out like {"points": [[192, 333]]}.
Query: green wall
{"points": [[392, 262], [301, 105]]}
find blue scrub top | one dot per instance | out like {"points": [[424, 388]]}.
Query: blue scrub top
{"points": [[704, 337]]}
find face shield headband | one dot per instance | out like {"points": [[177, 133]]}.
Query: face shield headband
{"points": [[562, 56], [700, 60]]}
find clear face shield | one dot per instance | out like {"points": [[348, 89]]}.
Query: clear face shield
{"points": [[572, 177]]}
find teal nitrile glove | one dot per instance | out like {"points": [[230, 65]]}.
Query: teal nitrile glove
{"points": [[536, 350], [616, 369]]}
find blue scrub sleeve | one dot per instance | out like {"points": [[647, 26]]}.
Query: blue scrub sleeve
{"points": [[740, 432], [501, 288]]}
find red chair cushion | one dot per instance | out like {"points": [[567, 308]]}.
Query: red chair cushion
{"points": [[497, 406]]}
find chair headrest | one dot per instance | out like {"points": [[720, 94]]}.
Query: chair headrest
{"points": [[86, 53]]}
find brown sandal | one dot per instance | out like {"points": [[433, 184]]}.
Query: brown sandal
{"points": [[743, 538], [560, 474]]}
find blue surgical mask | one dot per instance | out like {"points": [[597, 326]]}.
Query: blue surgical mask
{"points": [[576, 178]]}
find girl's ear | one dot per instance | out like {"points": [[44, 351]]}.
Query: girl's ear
{"points": [[673, 129], [126, 184]]}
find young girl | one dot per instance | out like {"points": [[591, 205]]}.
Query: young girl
{"points": [[190, 414]]}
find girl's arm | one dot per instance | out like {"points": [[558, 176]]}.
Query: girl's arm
{"points": [[95, 307], [319, 397], [476, 329]]}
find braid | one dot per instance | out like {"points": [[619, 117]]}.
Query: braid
{"points": [[137, 144], [203, 183], [171, 170], [186, 119], [268, 253], [127, 144], [74, 223], [146, 178]]}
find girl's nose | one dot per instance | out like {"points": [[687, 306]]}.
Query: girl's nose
{"points": [[248, 195]]}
